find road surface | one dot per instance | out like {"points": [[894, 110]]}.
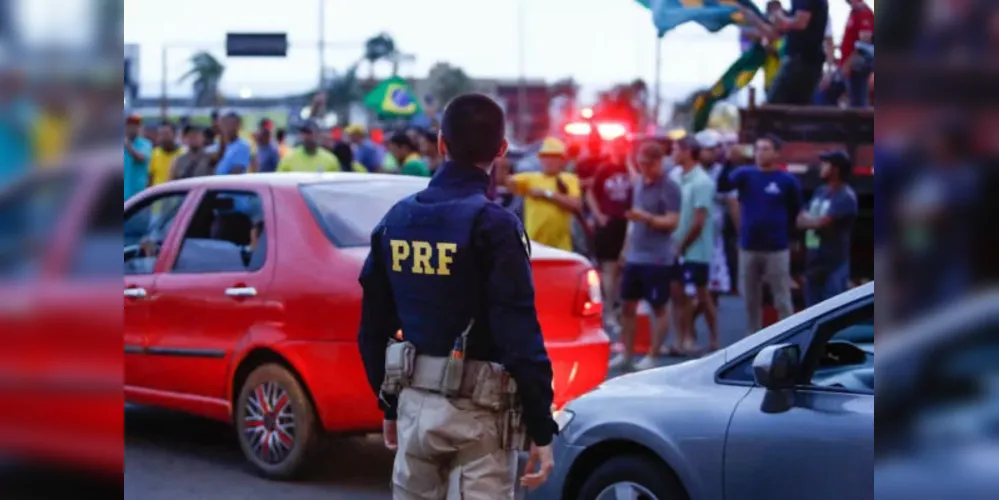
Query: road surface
{"points": [[170, 456]]}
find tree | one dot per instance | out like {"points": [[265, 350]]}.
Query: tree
{"points": [[343, 90], [206, 72], [451, 83], [380, 47]]}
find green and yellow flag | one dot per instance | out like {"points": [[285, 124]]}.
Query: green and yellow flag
{"points": [[392, 99], [737, 77]]}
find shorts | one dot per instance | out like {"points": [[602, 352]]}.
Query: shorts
{"points": [[648, 282], [609, 240], [694, 273]]}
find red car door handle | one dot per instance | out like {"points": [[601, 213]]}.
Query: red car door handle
{"points": [[135, 293], [241, 292]]}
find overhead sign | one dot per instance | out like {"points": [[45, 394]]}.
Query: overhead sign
{"points": [[256, 44]]}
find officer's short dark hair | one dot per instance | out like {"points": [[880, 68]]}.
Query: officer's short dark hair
{"points": [[402, 140], [473, 129], [775, 141]]}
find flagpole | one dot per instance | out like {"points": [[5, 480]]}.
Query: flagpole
{"points": [[521, 63], [658, 79]]}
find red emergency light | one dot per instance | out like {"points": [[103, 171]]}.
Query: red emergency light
{"points": [[607, 131]]}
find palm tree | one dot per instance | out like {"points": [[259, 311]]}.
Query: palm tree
{"points": [[206, 71], [380, 47], [452, 83], [343, 90]]}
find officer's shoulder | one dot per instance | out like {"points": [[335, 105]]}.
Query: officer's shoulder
{"points": [[497, 218]]}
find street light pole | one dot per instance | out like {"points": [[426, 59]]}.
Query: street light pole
{"points": [[322, 44], [164, 103], [522, 115]]}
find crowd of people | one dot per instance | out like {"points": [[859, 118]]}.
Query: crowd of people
{"points": [[161, 152], [684, 221], [813, 71]]}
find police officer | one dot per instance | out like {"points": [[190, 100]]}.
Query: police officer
{"points": [[467, 374]]}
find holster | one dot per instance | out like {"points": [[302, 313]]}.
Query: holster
{"points": [[513, 433], [400, 360]]}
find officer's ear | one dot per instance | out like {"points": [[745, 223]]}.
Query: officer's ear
{"points": [[503, 148], [440, 145]]}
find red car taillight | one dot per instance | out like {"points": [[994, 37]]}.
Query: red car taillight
{"points": [[589, 297]]}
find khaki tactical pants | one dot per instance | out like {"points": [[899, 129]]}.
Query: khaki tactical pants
{"points": [[450, 449]]}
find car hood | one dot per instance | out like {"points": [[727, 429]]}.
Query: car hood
{"points": [[681, 376]]}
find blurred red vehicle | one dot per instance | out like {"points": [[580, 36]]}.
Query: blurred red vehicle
{"points": [[241, 304], [61, 357]]}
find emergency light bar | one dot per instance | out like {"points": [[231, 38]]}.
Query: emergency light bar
{"points": [[606, 131]]}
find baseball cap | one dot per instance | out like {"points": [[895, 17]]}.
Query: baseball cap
{"points": [[552, 147], [708, 139], [839, 159], [355, 129], [133, 119]]}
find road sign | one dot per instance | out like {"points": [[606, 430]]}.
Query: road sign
{"points": [[256, 44]]}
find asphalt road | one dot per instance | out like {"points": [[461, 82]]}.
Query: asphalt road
{"points": [[170, 456]]}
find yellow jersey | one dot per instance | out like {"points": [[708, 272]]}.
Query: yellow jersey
{"points": [[160, 164], [546, 222], [300, 161]]}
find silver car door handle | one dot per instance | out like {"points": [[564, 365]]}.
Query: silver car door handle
{"points": [[135, 293], [241, 291]]}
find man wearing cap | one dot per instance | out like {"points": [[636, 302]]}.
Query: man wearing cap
{"points": [[308, 156], [828, 221], [552, 197], [235, 153], [138, 150], [366, 152]]}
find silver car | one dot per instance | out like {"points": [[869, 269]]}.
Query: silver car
{"points": [[786, 413]]}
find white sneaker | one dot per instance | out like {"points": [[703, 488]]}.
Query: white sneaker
{"points": [[619, 362], [647, 363]]}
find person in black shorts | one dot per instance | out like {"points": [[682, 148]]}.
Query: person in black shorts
{"points": [[648, 255], [609, 199]]}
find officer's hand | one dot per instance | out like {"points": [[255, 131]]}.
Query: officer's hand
{"points": [[391, 434], [541, 458]]}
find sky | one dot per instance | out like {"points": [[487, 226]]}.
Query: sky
{"points": [[597, 42]]}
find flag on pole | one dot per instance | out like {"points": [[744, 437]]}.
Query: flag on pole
{"points": [[712, 14], [392, 98], [737, 77]]}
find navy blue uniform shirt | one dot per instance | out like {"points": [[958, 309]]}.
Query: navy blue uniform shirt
{"points": [[769, 203], [484, 275]]}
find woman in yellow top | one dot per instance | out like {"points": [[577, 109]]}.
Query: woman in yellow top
{"points": [[551, 197]]}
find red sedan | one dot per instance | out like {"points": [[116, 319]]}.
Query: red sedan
{"points": [[241, 303]]}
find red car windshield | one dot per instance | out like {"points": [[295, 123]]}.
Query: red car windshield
{"points": [[349, 211]]}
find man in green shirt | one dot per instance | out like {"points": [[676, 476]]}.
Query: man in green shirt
{"points": [[308, 156], [695, 238], [407, 156]]}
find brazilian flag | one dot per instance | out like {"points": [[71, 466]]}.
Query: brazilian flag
{"points": [[393, 99], [738, 75], [713, 15]]}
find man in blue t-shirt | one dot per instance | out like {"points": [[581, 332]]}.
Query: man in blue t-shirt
{"points": [[828, 222], [236, 152], [768, 203]]}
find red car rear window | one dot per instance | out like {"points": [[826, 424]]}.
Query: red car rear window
{"points": [[349, 211]]}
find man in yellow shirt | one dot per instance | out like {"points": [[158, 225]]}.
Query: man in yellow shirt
{"points": [[551, 197], [167, 150], [308, 156]]}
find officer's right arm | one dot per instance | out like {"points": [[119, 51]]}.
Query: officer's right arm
{"points": [[513, 320], [379, 320]]}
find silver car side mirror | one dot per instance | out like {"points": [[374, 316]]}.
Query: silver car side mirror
{"points": [[776, 367]]}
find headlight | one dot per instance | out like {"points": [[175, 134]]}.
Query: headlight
{"points": [[563, 418]]}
